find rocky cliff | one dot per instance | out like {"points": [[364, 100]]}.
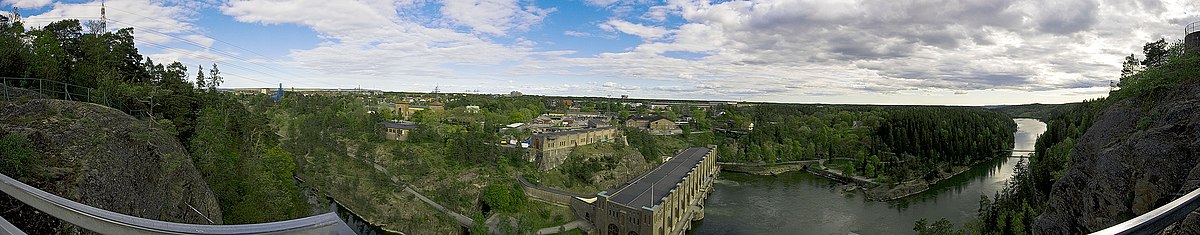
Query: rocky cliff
{"points": [[1140, 153], [104, 158]]}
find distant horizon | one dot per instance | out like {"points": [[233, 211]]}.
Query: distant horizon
{"points": [[913, 53], [640, 98]]}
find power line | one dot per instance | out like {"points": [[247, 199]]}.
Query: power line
{"points": [[218, 51], [219, 40]]}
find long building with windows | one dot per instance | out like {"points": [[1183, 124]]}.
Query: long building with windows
{"points": [[664, 201], [554, 147]]}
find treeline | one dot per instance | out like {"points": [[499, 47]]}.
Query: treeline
{"points": [[235, 153], [1012, 210], [918, 139]]}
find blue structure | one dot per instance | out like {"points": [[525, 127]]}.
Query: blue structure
{"points": [[278, 94]]}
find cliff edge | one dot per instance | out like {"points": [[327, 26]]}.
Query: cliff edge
{"points": [[104, 158], [1140, 153]]}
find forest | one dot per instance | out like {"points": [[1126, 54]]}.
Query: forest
{"points": [[877, 139], [1012, 210], [233, 150]]}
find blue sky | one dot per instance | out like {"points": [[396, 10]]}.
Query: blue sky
{"points": [[895, 52]]}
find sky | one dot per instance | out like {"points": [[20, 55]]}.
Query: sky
{"points": [[941, 52]]}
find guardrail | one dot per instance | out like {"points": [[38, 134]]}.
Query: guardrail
{"points": [[108, 222], [53, 89], [1191, 28], [1156, 220]]}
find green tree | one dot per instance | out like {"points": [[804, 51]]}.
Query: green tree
{"points": [[201, 82], [1156, 53], [504, 197], [214, 78]]}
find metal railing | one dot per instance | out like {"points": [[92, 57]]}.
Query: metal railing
{"points": [[52, 89], [108, 222], [1156, 220], [1191, 28]]}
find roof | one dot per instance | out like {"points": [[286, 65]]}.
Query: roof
{"points": [[648, 118], [658, 183], [406, 126], [597, 122], [576, 131]]}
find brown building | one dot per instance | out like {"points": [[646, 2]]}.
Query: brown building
{"points": [[655, 124], [437, 107], [554, 147], [664, 201], [397, 131], [402, 110]]}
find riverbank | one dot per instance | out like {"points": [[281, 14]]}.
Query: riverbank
{"points": [[765, 168], [888, 192], [871, 189]]}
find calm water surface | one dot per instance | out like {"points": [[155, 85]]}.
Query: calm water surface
{"points": [[801, 203]]}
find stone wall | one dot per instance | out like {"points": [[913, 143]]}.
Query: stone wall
{"points": [[553, 148]]}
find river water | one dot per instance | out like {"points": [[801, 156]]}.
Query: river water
{"points": [[801, 203]]}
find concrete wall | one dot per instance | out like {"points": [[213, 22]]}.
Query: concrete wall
{"points": [[554, 149], [1192, 42]]}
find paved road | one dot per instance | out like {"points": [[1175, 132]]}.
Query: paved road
{"points": [[580, 224]]}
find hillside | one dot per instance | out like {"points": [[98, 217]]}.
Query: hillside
{"points": [[1139, 153], [101, 157]]}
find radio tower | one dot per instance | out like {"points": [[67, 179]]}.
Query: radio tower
{"points": [[103, 18]]}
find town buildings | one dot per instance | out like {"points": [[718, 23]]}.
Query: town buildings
{"points": [[657, 125]]}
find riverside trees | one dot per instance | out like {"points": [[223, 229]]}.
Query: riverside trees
{"points": [[917, 139]]}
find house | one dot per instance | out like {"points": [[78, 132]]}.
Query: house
{"points": [[437, 106], [406, 110], [398, 130], [472, 109], [515, 94], [657, 125]]}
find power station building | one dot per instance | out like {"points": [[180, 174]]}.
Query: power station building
{"points": [[664, 201]]}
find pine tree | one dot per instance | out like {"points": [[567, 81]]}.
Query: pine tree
{"points": [[200, 83]]}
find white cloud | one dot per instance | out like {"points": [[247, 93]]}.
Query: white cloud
{"points": [[368, 43], [200, 39], [600, 2], [841, 48], [573, 33], [648, 33], [151, 20], [496, 17], [26, 4]]}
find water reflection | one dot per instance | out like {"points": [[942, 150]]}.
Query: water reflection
{"points": [[799, 202]]}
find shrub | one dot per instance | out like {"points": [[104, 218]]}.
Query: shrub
{"points": [[17, 158]]}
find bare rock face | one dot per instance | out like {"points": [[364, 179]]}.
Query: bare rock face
{"points": [[1119, 170], [104, 158]]}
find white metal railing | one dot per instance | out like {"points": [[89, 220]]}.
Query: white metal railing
{"points": [[108, 222], [1191, 28], [1158, 219]]}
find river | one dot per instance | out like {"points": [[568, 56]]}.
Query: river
{"points": [[801, 203]]}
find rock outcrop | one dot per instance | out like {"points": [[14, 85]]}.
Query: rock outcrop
{"points": [[1139, 154], [104, 158]]}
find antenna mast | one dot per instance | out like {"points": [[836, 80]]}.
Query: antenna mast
{"points": [[103, 18]]}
